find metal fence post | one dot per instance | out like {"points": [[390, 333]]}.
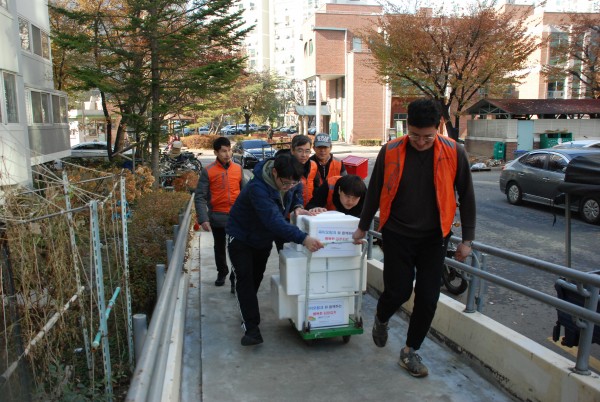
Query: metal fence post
{"points": [[126, 271], [586, 334], [474, 283], [169, 250], [97, 256], [160, 278], [140, 327], [482, 285]]}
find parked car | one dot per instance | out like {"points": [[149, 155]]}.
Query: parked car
{"points": [[263, 127], [230, 129], [535, 177], [579, 144], [204, 130], [312, 131], [92, 150], [249, 152], [289, 130], [242, 128]]}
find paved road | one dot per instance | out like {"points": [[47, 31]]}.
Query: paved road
{"points": [[529, 230]]}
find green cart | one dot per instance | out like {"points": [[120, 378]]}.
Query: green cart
{"points": [[354, 324]]}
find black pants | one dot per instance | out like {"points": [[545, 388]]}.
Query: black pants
{"points": [[405, 259], [219, 237], [248, 264]]}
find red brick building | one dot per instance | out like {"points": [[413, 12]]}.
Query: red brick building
{"points": [[337, 75]]}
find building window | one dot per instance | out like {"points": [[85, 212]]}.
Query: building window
{"points": [[10, 97], [40, 107], [59, 110], [24, 34], [556, 89], [400, 123], [357, 44], [34, 37], [56, 109], [64, 111]]}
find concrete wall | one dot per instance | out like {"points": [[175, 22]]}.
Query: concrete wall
{"points": [[483, 133], [524, 368]]}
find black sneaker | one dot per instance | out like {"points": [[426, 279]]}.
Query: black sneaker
{"points": [[411, 361], [252, 337], [380, 332], [220, 280]]}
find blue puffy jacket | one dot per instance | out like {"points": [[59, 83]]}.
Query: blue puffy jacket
{"points": [[257, 217]]}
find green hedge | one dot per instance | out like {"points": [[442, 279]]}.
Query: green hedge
{"points": [[369, 142]]}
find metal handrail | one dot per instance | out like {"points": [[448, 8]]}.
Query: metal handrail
{"points": [[147, 379], [589, 285]]}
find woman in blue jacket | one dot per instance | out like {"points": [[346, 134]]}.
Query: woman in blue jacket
{"points": [[256, 219]]}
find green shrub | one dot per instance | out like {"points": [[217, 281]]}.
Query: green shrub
{"points": [[151, 225], [369, 142]]}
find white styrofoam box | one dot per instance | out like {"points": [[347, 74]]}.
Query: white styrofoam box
{"points": [[334, 228], [340, 277], [335, 310], [292, 268], [282, 304], [293, 246]]}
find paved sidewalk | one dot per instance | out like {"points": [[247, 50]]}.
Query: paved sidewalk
{"points": [[286, 368]]}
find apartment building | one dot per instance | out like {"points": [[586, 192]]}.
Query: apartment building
{"points": [[33, 115], [274, 44], [550, 26]]}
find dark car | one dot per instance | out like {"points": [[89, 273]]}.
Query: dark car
{"points": [[535, 177], [249, 152]]}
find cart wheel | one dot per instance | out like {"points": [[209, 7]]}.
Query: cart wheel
{"points": [[346, 338]]}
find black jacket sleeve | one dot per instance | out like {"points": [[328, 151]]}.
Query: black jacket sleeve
{"points": [[373, 192], [320, 197]]}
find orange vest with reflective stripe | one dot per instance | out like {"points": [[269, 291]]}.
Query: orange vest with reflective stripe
{"points": [[331, 184], [444, 172], [335, 168], [309, 182], [224, 185]]}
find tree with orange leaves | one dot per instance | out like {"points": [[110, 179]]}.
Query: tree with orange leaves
{"points": [[574, 55], [451, 57]]}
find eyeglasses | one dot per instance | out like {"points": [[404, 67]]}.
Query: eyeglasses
{"points": [[426, 138], [288, 184], [302, 151]]}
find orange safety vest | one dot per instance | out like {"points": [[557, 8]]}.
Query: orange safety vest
{"points": [[335, 168], [331, 184], [309, 182], [444, 171], [224, 185]]}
